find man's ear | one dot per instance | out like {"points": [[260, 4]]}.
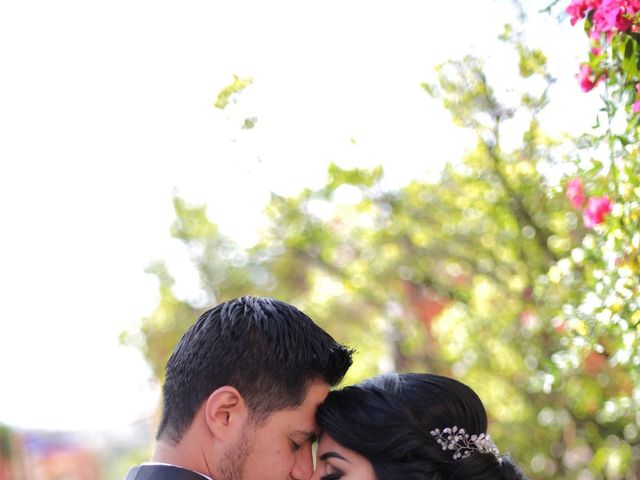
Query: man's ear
{"points": [[225, 412]]}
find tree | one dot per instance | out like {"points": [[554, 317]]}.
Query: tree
{"points": [[469, 276]]}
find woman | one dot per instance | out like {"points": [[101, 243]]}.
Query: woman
{"points": [[410, 426]]}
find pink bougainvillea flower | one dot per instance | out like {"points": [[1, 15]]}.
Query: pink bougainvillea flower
{"points": [[587, 78], [595, 34], [595, 51], [613, 16], [631, 7], [579, 8], [596, 211], [575, 192], [608, 16]]}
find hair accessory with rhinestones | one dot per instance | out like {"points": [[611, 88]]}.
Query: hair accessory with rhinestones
{"points": [[461, 444]]}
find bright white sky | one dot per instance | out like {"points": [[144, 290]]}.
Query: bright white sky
{"points": [[106, 109]]}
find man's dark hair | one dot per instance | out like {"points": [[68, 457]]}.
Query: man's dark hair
{"points": [[270, 351]]}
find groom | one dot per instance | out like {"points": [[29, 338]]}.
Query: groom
{"points": [[240, 395]]}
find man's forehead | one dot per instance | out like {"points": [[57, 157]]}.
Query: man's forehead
{"points": [[317, 393], [301, 419]]}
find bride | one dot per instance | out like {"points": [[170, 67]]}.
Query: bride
{"points": [[410, 426]]}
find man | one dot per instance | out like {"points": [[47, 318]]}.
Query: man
{"points": [[240, 395]]}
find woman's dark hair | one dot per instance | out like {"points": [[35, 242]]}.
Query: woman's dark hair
{"points": [[388, 420], [269, 350]]}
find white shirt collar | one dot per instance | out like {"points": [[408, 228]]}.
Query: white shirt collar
{"points": [[170, 465]]}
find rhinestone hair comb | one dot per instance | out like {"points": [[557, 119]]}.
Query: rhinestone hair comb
{"points": [[461, 444]]}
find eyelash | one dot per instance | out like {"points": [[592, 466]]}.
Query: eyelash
{"points": [[332, 476], [295, 445]]}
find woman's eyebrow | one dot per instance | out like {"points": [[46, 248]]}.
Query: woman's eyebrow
{"points": [[326, 455]]}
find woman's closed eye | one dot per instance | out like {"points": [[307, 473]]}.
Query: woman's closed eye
{"points": [[336, 462], [333, 475], [331, 472]]}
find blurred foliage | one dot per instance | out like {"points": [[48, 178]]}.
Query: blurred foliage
{"points": [[5, 442], [476, 274], [230, 94], [603, 318], [606, 166], [116, 461], [229, 91]]}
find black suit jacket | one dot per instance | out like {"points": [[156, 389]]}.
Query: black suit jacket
{"points": [[162, 472]]}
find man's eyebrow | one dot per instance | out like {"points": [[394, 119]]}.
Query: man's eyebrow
{"points": [[311, 436], [326, 455]]}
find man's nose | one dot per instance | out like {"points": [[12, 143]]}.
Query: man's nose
{"points": [[303, 469]]}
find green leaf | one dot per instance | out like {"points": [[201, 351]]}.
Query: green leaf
{"points": [[624, 140], [249, 123], [429, 88], [628, 48], [235, 87]]}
